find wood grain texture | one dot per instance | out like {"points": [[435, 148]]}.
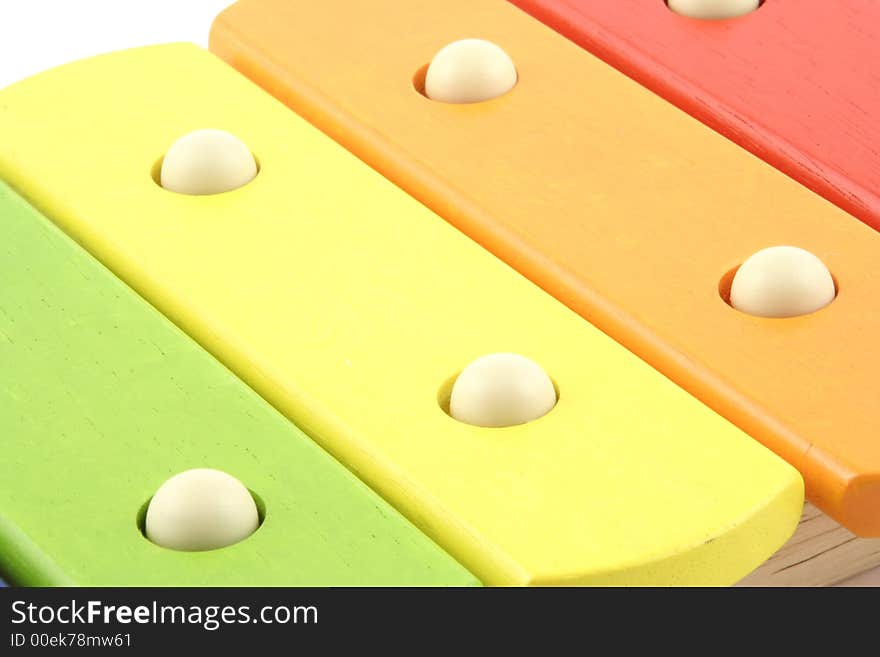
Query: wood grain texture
{"points": [[864, 579], [351, 306], [821, 553], [102, 399], [619, 204], [795, 82]]}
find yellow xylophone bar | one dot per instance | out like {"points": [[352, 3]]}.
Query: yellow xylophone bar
{"points": [[351, 307]]}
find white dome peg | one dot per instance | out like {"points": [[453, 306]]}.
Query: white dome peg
{"points": [[201, 509], [713, 9], [782, 281], [207, 162], [469, 71], [501, 390]]}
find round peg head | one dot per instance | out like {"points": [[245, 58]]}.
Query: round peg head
{"points": [[207, 162], [713, 9], [782, 281], [469, 71], [501, 390], [201, 509]]}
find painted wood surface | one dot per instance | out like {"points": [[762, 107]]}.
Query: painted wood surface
{"points": [[350, 306], [621, 205], [102, 399], [796, 82]]}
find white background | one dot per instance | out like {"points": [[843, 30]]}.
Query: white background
{"points": [[39, 34]]}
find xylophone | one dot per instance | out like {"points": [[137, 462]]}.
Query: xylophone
{"points": [[425, 293]]}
